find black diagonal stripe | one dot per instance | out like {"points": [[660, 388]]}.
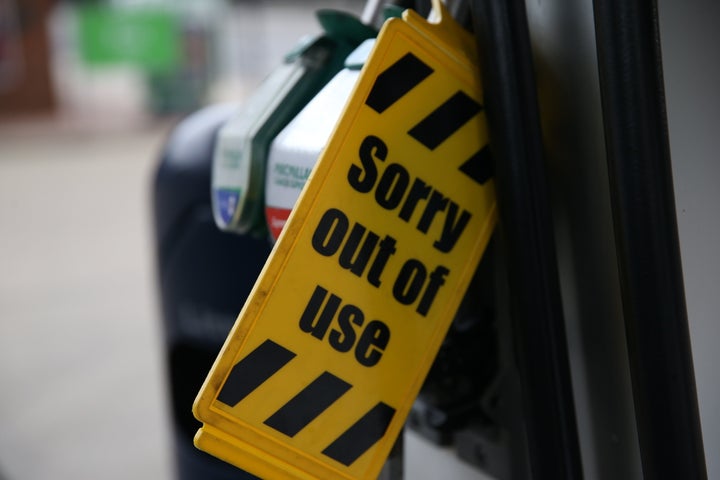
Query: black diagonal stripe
{"points": [[307, 405], [362, 435], [479, 167], [396, 81], [253, 370], [445, 120]]}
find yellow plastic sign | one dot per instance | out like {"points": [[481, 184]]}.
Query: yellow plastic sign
{"points": [[328, 354]]}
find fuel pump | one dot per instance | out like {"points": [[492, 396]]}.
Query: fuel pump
{"points": [[295, 150], [240, 157], [272, 383], [237, 144]]}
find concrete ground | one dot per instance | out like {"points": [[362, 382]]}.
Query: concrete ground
{"points": [[80, 364]]}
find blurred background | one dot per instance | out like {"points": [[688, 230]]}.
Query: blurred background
{"points": [[89, 92]]}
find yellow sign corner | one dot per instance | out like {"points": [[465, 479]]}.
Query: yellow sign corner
{"points": [[321, 369]]}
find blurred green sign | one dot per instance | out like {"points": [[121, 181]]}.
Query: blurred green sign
{"points": [[147, 38]]}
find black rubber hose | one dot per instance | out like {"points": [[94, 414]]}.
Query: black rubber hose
{"points": [[646, 237], [527, 238]]}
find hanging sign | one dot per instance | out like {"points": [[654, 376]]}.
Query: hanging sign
{"points": [[329, 352]]}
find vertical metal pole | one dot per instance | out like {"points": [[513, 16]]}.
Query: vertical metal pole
{"points": [[526, 232], [646, 236]]}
